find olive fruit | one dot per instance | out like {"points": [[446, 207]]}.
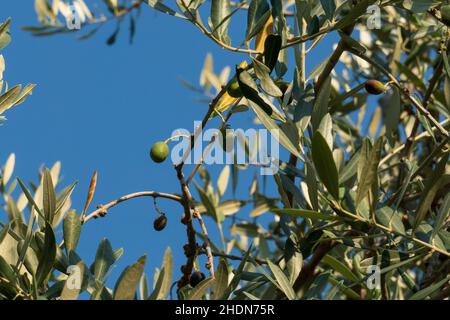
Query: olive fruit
{"points": [[159, 151], [196, 278], [233, 88], [160, 222], [227, 136], [374, 87], [445, 14]]}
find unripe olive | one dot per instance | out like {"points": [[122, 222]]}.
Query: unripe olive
{"points": [[196, 278], [227, 135], [160, 222], [375, 87], [159, 151], [445, 14], [233, 88]]}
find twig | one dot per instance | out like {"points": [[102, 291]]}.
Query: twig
{"points": [[332, 61], [420, 136], [434, 80], [210, 264], [103, 209], [403, 91], [210, 144], [205, 31], [388, 229], [232, 257], [307, 273]]}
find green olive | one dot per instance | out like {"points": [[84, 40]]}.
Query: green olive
{"points": [[375, 87], [233, 88], [159, 151]]}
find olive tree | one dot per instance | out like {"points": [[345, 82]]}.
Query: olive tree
{"points": [[362, 203]]}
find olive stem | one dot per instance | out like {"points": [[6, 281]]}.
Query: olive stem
{"points": [[176, 137], [205, 31], [103, 209], [403, 91]]}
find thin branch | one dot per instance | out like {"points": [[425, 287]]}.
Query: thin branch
{"points": [[210, 264], [210, 144], [403, 91], [103, 209], [207, 33], [233, 257], [420, 136]]}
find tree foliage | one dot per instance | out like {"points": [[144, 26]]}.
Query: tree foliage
{"points": [[365, 182]]}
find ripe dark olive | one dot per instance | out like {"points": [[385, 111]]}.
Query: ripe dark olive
{"points": [[160, 222], [196, 278], [374, 87], [159, 151], [233, 88], [445, 14]]}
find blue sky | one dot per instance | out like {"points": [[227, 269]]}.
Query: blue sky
{"points": [[99, 107]]}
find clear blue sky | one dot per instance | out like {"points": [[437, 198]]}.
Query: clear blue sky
{"points": [[98, 107]]}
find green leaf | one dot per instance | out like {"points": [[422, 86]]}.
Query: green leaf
{"points": [[220, 9], [329, 6], [306, 214], [274, 130], [5, 38], [320, 108], [200, 289], [391, 219], [160, 6], [47, 255], [209, 205], [356, 12], [221, 283], [237, 275], [266, 82], [369, 171], [257, 15], [7, 271], [30, 198], [222, 181], [143, 287], [349, 170], [429, 193], [442, 217], [340, 267], [163, 283], [104, 259], [250, 91], [282, 281], [72, 231], [49, 197], [324, 164], [127, 284], [424, 293]]}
